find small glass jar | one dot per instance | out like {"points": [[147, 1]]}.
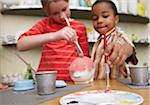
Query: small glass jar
{"points": [[82, 70]]}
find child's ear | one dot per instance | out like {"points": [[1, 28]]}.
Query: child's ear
{"points": [[116, 19]]}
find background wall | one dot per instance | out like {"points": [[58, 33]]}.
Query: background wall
{"points": [[13, 25]]}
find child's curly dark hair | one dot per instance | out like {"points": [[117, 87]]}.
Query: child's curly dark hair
{"points": [[107, 1]]}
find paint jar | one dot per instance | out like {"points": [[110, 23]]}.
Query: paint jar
{"points": [[46, 82]]}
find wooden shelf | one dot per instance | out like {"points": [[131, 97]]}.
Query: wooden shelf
{"points": [[78, 13], [135, 43], [141, 42], [12, 44]]}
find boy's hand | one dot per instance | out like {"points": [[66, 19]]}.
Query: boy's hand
{"points": [[67, 33], [118, 51]]}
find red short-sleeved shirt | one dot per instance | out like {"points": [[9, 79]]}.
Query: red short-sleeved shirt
{"points": [[58, 55]]}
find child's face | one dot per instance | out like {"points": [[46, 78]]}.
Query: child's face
{"points": [[103, 17], [57, 10]]}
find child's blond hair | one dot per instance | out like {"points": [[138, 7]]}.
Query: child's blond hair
{"points": [[45, 4]]}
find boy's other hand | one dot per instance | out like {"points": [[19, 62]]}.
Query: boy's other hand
{"points": [[117, 51]]}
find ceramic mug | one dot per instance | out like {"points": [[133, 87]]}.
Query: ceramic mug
{"points": [[46, 82], [139, 75]]}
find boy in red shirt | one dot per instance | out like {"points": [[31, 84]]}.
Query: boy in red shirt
{"points": [[56, 38]]}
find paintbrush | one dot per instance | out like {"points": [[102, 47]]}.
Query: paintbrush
{"points": [[106, 66], [28, 64], [79, 50]]}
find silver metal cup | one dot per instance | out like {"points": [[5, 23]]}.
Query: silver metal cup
{"points": [[46, 82], [139, 75]]}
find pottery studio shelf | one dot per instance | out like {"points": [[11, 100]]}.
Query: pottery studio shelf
{"points": [[141, 42], [78, 13]]}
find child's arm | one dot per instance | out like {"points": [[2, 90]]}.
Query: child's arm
{"points": [[33, 41], [132, 58]]}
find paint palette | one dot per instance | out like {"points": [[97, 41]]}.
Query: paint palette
{"points": [[100, 97]]}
